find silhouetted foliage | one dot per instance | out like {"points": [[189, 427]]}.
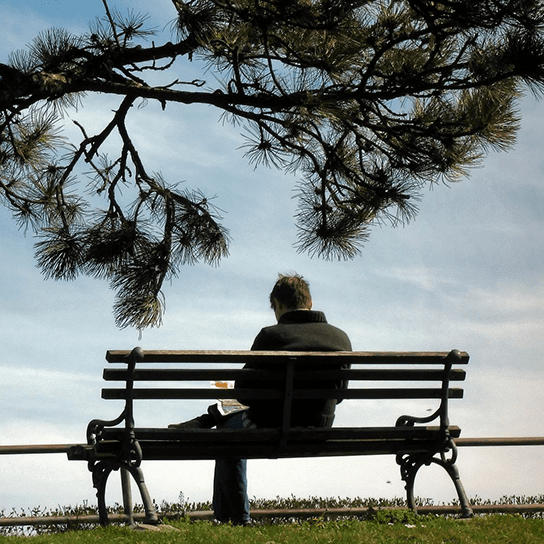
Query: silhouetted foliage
{"points": [[368, 101]]}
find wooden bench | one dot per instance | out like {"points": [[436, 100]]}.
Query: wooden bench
{"points": [[376, 377]]}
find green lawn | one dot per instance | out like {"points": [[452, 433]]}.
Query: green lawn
{"points": [[385, 528]]}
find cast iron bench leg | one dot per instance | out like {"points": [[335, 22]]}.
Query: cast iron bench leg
{"points": [[127, 495], [138, 475], [101, 472], [411, 463]]}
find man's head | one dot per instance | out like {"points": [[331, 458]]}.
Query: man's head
{"points": [[290, 293]]}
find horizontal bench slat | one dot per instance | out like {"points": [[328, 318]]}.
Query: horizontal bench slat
{"points": [[230, 356], [171, 444], [165, 444], [162, 374], [294, 434], [165, 451], [340, 449], [240, 394]]}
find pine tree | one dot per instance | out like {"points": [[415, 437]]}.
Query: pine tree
{"points": [[368, 101]]}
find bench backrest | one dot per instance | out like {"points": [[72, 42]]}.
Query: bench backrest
{"points": [[401, 375]]}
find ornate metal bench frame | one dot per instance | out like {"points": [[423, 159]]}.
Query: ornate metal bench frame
{"points": [[114, 445]]}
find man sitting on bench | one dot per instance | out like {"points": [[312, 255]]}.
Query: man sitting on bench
{"points": [[299, 328]]}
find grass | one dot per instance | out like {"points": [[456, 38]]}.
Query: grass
{"points": [[494, 529], [398, 525]]}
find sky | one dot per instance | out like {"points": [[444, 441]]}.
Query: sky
{"points": [[467, 273]]}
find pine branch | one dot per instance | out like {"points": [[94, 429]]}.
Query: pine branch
{"points": [[367, 101]]}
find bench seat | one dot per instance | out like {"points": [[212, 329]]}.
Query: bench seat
{"points": [[171, 444]]}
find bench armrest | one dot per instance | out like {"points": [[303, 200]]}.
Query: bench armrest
{"points": [[95, 429], [442, 412]]}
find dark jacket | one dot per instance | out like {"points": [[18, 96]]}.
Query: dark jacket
{"points": [[299, 330]]}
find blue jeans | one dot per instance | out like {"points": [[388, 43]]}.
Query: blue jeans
{"points": [[230, 500]]}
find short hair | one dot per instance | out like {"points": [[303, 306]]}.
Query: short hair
{"points": [[292, 291]]}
